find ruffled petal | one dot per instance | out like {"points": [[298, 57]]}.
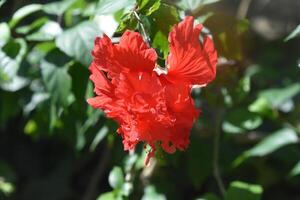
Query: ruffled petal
{"points": [[188, 61], [99, 101], [131, 54], [102, 84], [135, 53]]}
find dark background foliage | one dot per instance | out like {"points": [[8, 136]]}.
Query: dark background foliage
{"points": [[245, 145]]}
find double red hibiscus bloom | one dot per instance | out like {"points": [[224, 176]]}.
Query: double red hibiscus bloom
{"points": [[152, 104]]}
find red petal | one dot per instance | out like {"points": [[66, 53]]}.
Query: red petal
{"points": [[99, 101], [188, 61], [131, 54], [102, 84]]}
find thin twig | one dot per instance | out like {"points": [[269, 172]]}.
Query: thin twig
{"points": [[97, 176], [216, 151], [142, 27]]}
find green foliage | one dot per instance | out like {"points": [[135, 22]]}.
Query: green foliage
{"points": [[194, 5], [147, 7], [23, 12], [78, 41], [4, 33], [151, 194], [53, 145], [270, 144], [58, 8], [108, 6], [240, 190], [116, 178], [57, 83], [294, 34]]}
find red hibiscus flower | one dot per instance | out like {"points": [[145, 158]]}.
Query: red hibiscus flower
{"points": [[151, 104]]}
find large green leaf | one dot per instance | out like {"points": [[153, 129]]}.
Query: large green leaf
{"points": [[270, 144], [243, 191], [57, 82], [58, 8], [108, 6], [78, 41], [23, 12], [192, 5], [277, 96], [270, 100], [47, 32]]}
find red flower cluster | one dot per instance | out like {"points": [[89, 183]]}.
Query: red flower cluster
{"points": [[152, 104]]}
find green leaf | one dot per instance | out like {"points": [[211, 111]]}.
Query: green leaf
{"points": [[163, 20], [11, 57], [8, 67], [241, 121], [30, 127], [245, 191], [128, 21], [47, 32], [107, 24], [294, 34], [34, 25], [58, 8], [270, 144], [116, 178], [23, 12], [296, 170], [262, 106], [6, 187], [15, 84], [208, 197], [277, 96], [78, 41], [108, 6], [4, 33], [107, 196], [147, 7], [2, 2], [193, 5], [57, 82], [99, 137], [36, 99], [127, 189], [36, 55], [150, 193]]}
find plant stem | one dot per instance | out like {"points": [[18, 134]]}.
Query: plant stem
{"points": [[91, 190], [142, 27], [216, 151]]}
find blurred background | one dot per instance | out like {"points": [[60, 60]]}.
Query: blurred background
{"points": [[244, 146]]}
